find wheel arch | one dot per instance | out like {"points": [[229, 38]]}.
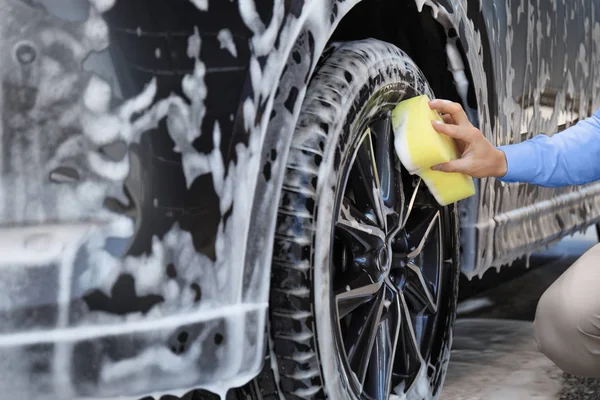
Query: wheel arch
{"points": [[268, 111], [467, 17]]}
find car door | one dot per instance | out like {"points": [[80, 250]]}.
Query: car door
{"points": [[546, 60]]}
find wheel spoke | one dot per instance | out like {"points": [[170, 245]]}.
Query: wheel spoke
{"points": [[411, 203], [389, 174], [417, 291], [398, 260], [386, 163], [362, 235], [408, 356], [365, 181], [417, 236], [382, 356], [354, 295], [361, 335]]}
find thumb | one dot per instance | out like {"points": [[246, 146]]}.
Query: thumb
{"points": [[460, 165]]}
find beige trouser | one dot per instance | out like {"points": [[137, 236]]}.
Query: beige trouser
{"points": [[567, 320]]}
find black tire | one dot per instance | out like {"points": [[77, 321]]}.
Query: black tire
{"points": [[358, 83]]}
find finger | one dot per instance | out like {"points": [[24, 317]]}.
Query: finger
{"points": [[454, 131], [449, 107], [448, 119], [462, 165]]}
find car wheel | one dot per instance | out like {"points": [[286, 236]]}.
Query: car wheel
{"points": [[365, 262]]}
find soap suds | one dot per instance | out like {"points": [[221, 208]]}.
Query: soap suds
{"points": [[471, 305], [201, 5], [237, 183], [226, 39], [419, 390], [102, 5], [81, 259]]}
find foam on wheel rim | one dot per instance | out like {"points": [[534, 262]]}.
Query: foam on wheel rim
{"points": [[365, 263]]}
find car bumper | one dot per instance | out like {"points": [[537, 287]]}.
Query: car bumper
{"points": [[55, 345]]}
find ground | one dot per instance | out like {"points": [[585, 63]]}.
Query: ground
{"points": [[494, 356]]}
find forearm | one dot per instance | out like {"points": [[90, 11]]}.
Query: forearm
{"points": [[571, 157]]}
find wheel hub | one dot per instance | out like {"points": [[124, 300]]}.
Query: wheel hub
{"points": [[383, 259]]}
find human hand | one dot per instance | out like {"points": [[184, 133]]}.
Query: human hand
{"points": [[479, 158]]}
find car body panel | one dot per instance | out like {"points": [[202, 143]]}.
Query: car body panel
{"points": [[152, 271], [534, 70], [545, 63], [167, 283]]}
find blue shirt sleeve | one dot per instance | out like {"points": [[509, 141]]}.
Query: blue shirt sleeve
{"points": [[570, 157]]}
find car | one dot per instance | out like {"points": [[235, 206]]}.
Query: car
{"points": [[205, 194]]}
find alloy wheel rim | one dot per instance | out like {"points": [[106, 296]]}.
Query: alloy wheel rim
{"points": [[386, 268]]}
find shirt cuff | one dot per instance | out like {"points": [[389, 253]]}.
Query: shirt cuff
{"points": [[519, 163]]}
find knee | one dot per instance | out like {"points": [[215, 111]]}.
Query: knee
{"points": [[564, 332]]}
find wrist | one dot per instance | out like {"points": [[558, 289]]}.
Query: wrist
{"points": [[500, 164]]}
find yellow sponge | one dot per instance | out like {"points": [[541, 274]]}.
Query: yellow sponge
{"points": [[420, 147]]}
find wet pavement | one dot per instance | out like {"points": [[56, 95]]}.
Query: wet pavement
{"points": [[494, 355]]}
